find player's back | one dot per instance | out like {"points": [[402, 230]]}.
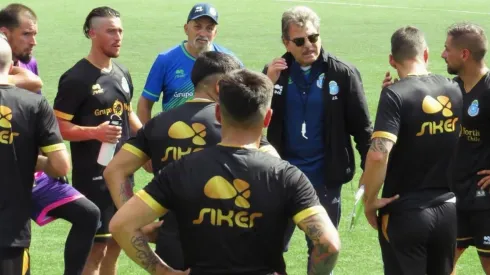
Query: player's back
{"points": [[428, 111], [21, 125], [183, 130], [232, 206]]}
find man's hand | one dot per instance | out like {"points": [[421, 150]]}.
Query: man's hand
{"points": [[108, 133], [484, 183], [151, 231], [25, 79], [387, 81], [371, 209], [275, 67]]}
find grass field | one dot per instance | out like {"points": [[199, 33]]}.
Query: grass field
{"points": [[356, 30]]}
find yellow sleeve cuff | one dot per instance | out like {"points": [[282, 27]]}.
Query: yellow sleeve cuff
{"points": [[383, 134], [54, 147], [151, 202], [308, 212], [135, 151]]}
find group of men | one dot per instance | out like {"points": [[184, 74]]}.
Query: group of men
{"points": [[218, 182], [430, 149]]}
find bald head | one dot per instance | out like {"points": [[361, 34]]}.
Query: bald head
{"points": [[5, 56]]}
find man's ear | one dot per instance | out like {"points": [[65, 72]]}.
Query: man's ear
{"points": [[392, 61], [267, 118]]}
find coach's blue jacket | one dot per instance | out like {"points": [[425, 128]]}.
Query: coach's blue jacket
{"points": [[346, 115]]}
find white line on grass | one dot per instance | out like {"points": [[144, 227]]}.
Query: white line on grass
{"points": [[382, 6]]}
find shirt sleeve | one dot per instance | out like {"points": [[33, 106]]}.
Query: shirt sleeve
{"points": [[139, 145], [71, 94], [158, 193], [49, 135], [388, 116], [303, 201], [154, 81]]}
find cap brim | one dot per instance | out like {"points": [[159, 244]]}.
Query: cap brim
{"points": [[202, 15]]}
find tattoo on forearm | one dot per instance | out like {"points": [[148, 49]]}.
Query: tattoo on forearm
{"points": [[323, 257], [144, 253], [126, 191], [322, 260], [380, 145], [314, 231]]}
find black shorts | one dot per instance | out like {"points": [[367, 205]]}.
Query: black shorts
{"points": [[474, 230], [14, 261], [419, 241], [101, 197]]}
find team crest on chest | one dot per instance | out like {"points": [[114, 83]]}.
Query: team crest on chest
{"points": [[319, 81], [474, 109], [333, 89], [125, 85]]}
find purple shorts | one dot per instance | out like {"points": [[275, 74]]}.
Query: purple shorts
{"points": [[47, 194]]}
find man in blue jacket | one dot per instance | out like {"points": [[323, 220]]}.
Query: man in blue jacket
{"points": [[318, 104]]}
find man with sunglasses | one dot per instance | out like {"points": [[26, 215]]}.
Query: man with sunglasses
{"points": [[318, 104]]}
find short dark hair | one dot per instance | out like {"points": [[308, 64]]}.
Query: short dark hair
{"points": [[98, 12], [211, 63], [469, 36], [9, 16], [407, 43], [244, 97]]}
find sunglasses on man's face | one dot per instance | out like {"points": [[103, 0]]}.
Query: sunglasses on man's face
{"points": [[300, 41]]}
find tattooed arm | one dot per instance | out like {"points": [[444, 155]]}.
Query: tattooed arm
{"points": [[125, 228], [376, 164], [374, 176], [117, 172], [326, 242]]}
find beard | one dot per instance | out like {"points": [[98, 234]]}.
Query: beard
{"points": [[452, 71], [111, 54], [201, 47], [24, 58]]}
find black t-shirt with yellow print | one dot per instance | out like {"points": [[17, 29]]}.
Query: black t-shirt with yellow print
{"points": [[88, 96], [27, 124], [170, 135], [232, 207], [422, 116]]}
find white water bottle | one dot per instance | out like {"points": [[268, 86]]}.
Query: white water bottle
{"points": [[106, 152]]}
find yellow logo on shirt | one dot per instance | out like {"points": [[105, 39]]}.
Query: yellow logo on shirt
{"points": [[6, 133], [219, 188], [433, 106], [117, 108], [180, 130]]}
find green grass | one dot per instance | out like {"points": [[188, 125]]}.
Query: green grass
{"points": [[358, 34]]}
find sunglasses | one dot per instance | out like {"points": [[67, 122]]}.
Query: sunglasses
{"points": [[300, 41]]}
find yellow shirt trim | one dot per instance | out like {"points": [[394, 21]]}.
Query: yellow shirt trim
{"points": [[151, 202]]}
